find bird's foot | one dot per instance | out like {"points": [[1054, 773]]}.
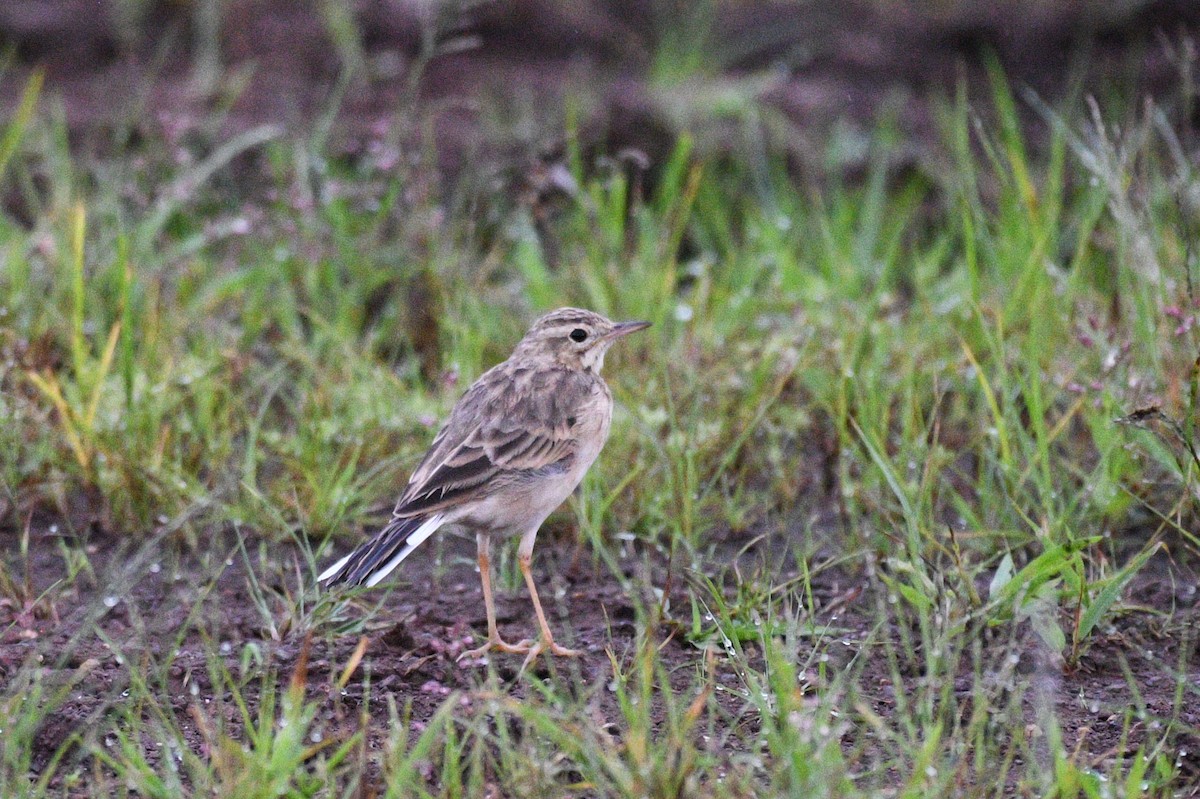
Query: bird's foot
{"points": [[544, 645], [500, 645]]}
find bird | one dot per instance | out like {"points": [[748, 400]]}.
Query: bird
{"points": [[516, 444]]}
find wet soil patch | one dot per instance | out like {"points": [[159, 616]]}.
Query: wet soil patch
{"points": [[193, 628]]}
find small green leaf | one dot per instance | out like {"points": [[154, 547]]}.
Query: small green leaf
{"points": [[1003, 575], [1048, 628], [1111, 591], [914, 597]]}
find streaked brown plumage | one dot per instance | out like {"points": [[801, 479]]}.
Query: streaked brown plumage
{"points": [[514, 448]]}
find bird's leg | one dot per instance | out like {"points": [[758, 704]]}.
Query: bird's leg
{"points": [[546, 643], [494, 641]]}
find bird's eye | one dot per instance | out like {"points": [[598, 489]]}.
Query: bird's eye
{"points": [[578, 334]]}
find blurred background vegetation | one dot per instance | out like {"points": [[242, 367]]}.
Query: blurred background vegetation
{"points": [[499, 78], [373, 175]]}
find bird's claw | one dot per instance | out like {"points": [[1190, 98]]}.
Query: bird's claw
{"points": [[499, 644], [548, 646], [527, 647]]}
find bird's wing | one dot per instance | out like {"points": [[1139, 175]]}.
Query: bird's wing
{"points": [[511, 423]]}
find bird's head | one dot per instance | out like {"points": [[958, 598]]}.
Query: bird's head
{"points": [[574, 338]]}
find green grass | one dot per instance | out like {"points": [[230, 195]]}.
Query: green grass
{"points": [[913, 381]]}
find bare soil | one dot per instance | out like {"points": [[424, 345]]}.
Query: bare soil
{"points": [[167, 612], [491, 79]]}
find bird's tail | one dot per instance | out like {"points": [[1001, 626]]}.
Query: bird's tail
{"points": [[375, 559]]}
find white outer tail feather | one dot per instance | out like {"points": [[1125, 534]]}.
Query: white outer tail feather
{"points": [[415, 540], [332, 570], [428, 528]]}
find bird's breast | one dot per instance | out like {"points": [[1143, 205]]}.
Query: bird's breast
{"points": [[527, 501]]}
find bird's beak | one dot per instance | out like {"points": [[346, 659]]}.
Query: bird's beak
{"points": [[625, 328]]}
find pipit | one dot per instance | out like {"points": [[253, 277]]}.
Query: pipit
{"points": [[516, 445]]}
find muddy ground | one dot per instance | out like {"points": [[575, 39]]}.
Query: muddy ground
{"points": [[488, 80], [172, 611]]}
